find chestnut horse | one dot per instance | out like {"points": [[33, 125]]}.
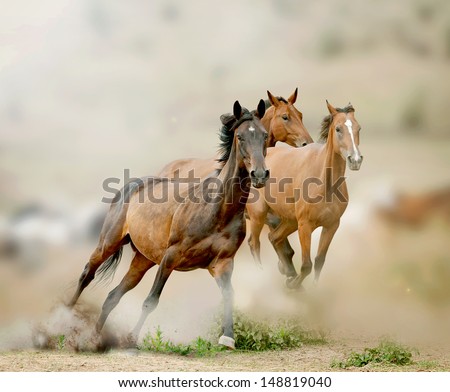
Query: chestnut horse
{"points": [[281, 119], [202, 230], [307, 190]]}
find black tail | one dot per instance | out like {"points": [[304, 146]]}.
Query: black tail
{"points": [[108, 268]]}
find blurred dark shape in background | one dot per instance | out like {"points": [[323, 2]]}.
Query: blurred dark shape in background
{"points": [[416, 210], [28, 236]]}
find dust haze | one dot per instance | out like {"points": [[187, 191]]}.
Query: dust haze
{"points": [[91, 88]]}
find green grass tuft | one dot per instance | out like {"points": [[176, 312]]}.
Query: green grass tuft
{"points": [[199, 347], [386, 353], [249, 334], [255, 335], [61, 342]]}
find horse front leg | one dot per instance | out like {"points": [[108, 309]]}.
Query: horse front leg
{"points": [[151, 302], [222, 271], [304, 232], [278, 238], [285, 264], [253, 240], [256, 212], [325, 240]]}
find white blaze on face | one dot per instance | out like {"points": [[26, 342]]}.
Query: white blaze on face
{"points": [[350, 130], [251, 128]]}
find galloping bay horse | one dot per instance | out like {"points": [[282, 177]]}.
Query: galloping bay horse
{"points": [[281, 119], [307, 190], [203, 230]]}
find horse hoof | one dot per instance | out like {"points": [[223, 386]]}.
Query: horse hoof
{"points": [[281, 268], [291, 283], [131, 342], [227, 342]]}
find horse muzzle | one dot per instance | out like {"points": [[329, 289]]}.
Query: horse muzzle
{"points": [[303, 141], [354, 162], [259, 177]]}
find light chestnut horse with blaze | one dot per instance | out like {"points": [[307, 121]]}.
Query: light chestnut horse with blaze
{"points": [[282, 120], [307, 190], [202, 230]]}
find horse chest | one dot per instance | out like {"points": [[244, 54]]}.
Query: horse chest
{"points": [[227, 239], [322, 214]]}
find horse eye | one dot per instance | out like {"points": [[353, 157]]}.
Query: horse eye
{"points": [[285, 117], [239, 137], [338, 129], [266, 136]]}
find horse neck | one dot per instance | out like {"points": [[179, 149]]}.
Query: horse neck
{"points": [[332, 160], [266, 121], [236, 185]]}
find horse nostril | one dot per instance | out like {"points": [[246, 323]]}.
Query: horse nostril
{"points": [[252, 174], [267, 173]]}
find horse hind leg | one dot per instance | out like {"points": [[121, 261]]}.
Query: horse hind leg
{"points": [[138, 268], [98, 257], [109, 248]]}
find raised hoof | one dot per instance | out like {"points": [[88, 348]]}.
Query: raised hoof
{"points": [[285, 270], [281, 268], [291, 283], [259, 264], [227, 342]]}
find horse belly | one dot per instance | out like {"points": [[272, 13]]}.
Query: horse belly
{"points": [[219, 245], [190, 255], [148, 225]]}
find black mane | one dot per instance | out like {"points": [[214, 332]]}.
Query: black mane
{"points": [[326, 123], [226, 133]]}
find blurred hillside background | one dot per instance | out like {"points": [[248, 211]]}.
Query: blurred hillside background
{"points": [[93, 87]]}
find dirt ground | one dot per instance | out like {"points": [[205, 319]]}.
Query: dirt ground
{"points": [[310, 358]]}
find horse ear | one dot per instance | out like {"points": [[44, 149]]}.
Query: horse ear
{"points": [[261, 109], [237, 110], [272, 99], [331, 109], [293, 97]]}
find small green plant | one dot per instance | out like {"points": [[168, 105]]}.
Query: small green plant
{"points": [[155, 342], [203, 347], [387, 353], [199, 347], [249, 335], [61, 342], [252, 334]]}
